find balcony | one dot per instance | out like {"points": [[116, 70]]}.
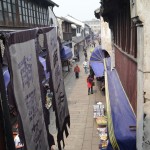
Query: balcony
{"points": [[67, 36]]}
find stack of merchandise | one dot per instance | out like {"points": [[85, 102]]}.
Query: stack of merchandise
{"points": [[103, 137], [101, 121], [98, 110]]}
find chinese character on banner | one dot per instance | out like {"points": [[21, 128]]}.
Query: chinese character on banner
{"points": [[25, 83], [61, 104]]}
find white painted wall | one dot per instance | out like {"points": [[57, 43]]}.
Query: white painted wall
{"points": [[141, 9], [52, 15], [73, 44], [106, 42], [105, 36], [60, 33]]}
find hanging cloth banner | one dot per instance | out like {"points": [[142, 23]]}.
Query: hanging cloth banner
{"points": [[60, 102], [23, 66]]}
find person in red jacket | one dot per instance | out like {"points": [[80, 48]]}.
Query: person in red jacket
{"points": [[90, 84], [76, 71]]}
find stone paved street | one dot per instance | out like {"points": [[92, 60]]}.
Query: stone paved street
{"points": [[83, 131]]}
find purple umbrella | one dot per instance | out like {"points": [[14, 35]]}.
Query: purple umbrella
{"points": [[7, 75], [66, 53], [98, 54], [96, 61], [43, 62]]}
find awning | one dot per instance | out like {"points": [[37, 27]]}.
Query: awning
{"points": [[66, 53], [120, 114]]}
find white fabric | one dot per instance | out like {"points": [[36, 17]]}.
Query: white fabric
{"points": [[17, 141], [27, 92], [85, 64]]}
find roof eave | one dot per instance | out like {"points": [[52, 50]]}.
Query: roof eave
{"points": [[51, 3]]}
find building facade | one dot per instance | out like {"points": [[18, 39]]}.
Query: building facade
{"points": [[65, 29], [24, 13], [129, 23], [94, 25]]}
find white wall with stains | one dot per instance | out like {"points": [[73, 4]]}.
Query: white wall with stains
{"points": [[141, 8]]}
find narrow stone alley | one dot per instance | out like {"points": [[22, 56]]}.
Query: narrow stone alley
{"points": [[83, 130]]}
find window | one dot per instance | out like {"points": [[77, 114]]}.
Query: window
{"points": [[63, 27], [30, 12], [78, 29], [14, 13], [125, 33], [22, 12], [1, 13], [7, 12]]}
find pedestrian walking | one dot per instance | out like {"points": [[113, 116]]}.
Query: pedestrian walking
{"points": [[90, 84], [91, 72], [76, 71], [78, 57], [85, 66], [85, 54], [94, 43]]}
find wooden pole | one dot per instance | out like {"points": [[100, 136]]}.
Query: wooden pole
{"points": [[68, 65]]}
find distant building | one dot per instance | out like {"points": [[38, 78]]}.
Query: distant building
{"points": [[79, 25], [81, 35], [65, 29], [94, 24]]}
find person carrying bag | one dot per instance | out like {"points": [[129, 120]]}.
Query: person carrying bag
{"points": [[90, 84]]}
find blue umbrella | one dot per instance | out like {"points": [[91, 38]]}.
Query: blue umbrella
{"points": [[96, 61], [66, 53], [98, 68], [97, 55]]}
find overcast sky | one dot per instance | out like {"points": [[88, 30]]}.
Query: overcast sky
{"points": [[79, 9]]}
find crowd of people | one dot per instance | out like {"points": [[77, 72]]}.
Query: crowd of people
{"points": [[87, 69]]}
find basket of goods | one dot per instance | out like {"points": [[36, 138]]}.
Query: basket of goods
{"points": [[101, 121]]}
